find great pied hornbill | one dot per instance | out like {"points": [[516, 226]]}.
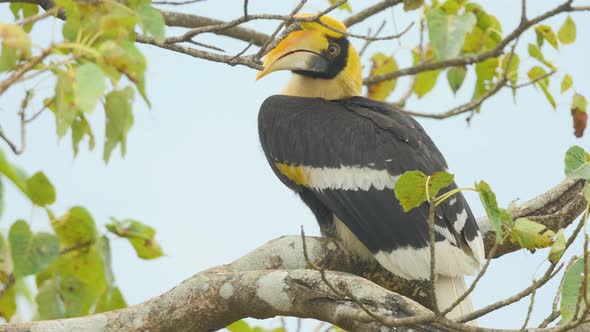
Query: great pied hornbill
{"points": [[343, 153]]}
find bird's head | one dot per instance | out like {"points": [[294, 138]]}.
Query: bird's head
{"points": [[323, 62]]}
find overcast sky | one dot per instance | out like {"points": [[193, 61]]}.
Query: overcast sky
{"points": [[195, 170]]}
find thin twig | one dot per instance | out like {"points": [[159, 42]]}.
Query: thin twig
{"points": [[531, 82], [32, 19], [288, 20], [367, 41], [212, 47], [175, 3]]}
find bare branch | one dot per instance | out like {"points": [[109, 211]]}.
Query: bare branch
{"points": [[175, 3], [368, 12]]}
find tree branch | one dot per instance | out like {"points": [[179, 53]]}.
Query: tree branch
{"points": [[494, 52], [273, 280]]}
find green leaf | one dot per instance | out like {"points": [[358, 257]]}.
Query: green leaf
{"points": [[412, 4], [577, 163], [239, 326], [30, 252], [75, 228], [570, 289], [410, 189], [558, 247], [40, 189], [7, 299], [81, 128], [579, 102], [544, 32], [15, 45], [111, 299], [531, 235], [82, 280], [497, 216], [567, 32], [27, 9], [151, 21], [587, 192], [345, 6], [425, 82], [447, 32], [1, 197], [455, 77], [536, 53], [127, 59], [511, 69], [119, 120], [49, 302], [65, 103], [382, 64], [90, 86], [566, 83], [13, 173], [535, 73], [139, 234]]}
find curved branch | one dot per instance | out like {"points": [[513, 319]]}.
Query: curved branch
{"points": [[494, 52], [274, 280]]}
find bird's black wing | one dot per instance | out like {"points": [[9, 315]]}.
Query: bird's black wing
{"points": [[349, 154]]}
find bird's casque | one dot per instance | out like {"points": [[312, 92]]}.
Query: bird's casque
{"points": [[343, 153]]}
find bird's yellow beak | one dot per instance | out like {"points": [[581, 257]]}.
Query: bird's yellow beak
{"points": [[301, 50]]}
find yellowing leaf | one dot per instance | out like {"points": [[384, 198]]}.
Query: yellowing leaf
{"points": [[410, 189], [579, 102], [75, 228], [447, 32], [412, 4], [567, 32], [16, 45], [40, 190], [544, 32], [566, 83], [344, 6], [141, 236], [536, 73], [531, 235], [382, 64]]}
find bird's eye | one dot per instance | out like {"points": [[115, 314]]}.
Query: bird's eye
{"points": [[333, 50]]}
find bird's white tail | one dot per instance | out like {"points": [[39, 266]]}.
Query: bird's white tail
{"points": [[448, 289]]}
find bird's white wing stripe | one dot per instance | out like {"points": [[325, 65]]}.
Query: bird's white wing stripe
{"points": [[349, 178], [460, 221], [412, 263]]}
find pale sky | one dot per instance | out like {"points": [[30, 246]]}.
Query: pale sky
{"points": [[195, 171]]}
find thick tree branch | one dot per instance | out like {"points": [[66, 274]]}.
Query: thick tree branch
{"points": [[274, 280]]}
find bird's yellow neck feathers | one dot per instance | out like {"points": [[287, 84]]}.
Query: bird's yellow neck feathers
{"points": [[318, 71]]}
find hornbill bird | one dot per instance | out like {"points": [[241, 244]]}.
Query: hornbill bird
{"points": [[343, 153]]}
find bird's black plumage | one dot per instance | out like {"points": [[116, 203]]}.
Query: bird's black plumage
{"points": [[340, 137]]}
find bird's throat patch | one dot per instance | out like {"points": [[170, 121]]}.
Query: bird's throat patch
{"points": [[298, 174]]}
